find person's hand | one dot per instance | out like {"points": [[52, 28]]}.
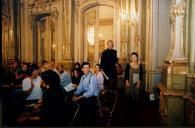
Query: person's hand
{"points": [[31, 79], [34, 118], [19, 76], [138, 84], [37, 106], [74, 85], [26, 114], [127, 84], [76, 74], [75, 98]]}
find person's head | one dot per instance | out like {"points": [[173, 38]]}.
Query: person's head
{"points": [[52, 63], [50, 80], [85, 67], [134, 57], [60, 68], [15, 64], [24, 66], [77, 65], [44, 63], [97, 68], [33, 70], [110, 44], [119, 69]]}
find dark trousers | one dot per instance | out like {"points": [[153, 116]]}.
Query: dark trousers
{"points": [[88, 109], [110, 84]]}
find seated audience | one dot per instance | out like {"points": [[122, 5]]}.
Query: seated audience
{"points": [[50, 110], [53, 105], [65, 77], [31, 85], [120, 79], [44, 66], [76, 73], [21, 73], [15, 66], [99, 76], [86, 94], [52, 66]]}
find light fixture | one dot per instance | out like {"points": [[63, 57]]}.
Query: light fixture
{"points": [[10, 32], [100, 36], [90, 35], [54, 46]]}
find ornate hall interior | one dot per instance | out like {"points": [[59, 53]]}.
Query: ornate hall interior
{"points": [[65, 32]]}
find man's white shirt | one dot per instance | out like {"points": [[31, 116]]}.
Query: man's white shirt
{"points": [[36, 92]]}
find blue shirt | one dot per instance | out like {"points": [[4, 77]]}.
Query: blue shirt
{"points": [[88, 86], [65, 79]]}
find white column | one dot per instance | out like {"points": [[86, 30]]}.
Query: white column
{"points": [[192, 43], [117, 26], [84, 36], [59, 34], [139, 26], [76, 32], [25, 46], [96, 35], [132, 28]]}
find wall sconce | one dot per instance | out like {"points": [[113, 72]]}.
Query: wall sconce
{"points": [[54, 46], [100, 36], [10, 32]]}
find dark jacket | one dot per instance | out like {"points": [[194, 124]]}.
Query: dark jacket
{"points": [[108, 61], [53, 109]]}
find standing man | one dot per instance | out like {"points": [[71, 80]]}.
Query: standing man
{"points": [[108, 64]]}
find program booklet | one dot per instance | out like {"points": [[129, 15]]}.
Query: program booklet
{"points": [[69, 87]]}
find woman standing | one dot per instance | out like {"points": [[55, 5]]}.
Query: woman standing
{"points": [[133, 77]]}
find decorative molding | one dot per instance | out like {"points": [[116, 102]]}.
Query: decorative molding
{"points": [[77, 6], [107, 21]]}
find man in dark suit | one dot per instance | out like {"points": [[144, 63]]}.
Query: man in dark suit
{"points": [[108, 64]]}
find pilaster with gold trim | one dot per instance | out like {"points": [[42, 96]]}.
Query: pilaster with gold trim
{"points": [[174, 70]]}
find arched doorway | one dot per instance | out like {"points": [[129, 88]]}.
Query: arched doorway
{"points": [[98, 28], [95, 23]]}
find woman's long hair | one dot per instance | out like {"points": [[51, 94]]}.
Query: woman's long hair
{"points": [[52, 79]]}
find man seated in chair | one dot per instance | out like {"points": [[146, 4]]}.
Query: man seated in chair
{"points": [[65, 77], [32, 86], [86, 93]]}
